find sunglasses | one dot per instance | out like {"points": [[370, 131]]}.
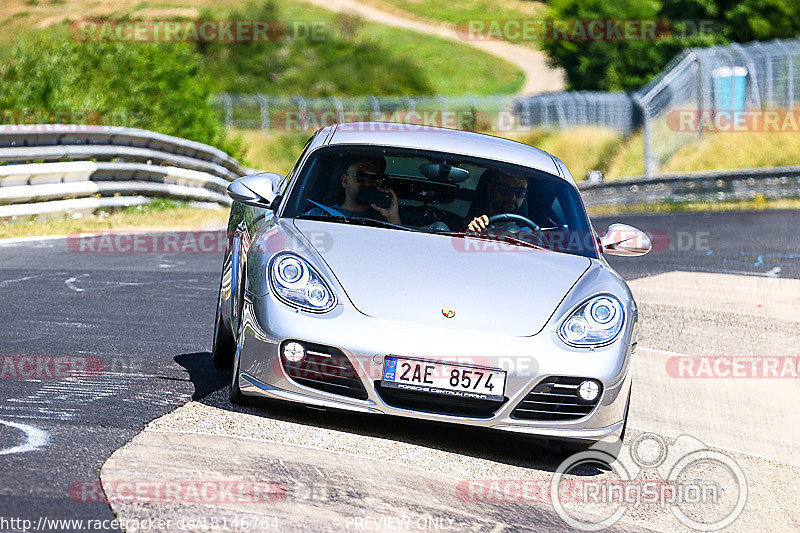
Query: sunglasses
{"points": [[362, 176], [508, 190]]}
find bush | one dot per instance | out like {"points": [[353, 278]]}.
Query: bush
{"points": [[154, 86]]}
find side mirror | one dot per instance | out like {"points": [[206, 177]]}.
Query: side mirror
{"points": [[258, 190], [621, 239]]}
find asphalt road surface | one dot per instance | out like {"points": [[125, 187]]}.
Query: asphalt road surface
{"points": [[145, 321]]}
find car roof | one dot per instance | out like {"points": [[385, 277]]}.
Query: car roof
{"points": [[446, 140]]}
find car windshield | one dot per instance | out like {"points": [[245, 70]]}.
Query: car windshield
{"points": [[434, 192]]}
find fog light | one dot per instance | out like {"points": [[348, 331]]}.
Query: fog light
{"points": [[294, 352], [588, 391]]}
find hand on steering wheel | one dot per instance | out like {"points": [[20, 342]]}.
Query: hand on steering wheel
{"points": [[483, 222]]}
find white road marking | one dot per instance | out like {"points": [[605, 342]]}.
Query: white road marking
{"points": [[21, 240], [166, 262], [774, 272], [664, 352], [769, 274], [26, 278], [35, 438], [71, 283]]}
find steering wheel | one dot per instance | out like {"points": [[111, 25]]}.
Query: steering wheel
{"points": [[519, 219]]}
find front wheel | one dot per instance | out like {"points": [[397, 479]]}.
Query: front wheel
{"points": [[235, 394], [223, 346]]}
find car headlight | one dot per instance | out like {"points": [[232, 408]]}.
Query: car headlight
{"points": [[296, 283], [596, 321]]}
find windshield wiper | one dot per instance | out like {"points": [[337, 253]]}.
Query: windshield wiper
{"points": [[491, 237], [357, 221]]}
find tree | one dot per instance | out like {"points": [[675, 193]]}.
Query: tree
{"points": [[629, 64]]}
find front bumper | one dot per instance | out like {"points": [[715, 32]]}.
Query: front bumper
{"points": [[365, 340]]}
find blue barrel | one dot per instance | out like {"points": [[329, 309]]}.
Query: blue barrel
{"points": [[729, 85]]}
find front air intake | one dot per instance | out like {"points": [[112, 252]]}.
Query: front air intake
{"points": [[556, 398], [324, 368]]}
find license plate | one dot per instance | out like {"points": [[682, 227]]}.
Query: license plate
{"points": [[445, 379]]}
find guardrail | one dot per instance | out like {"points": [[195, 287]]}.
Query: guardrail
{"points": [[708, 186], [61, 168], [143, 164]]}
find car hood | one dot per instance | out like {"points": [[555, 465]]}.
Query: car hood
{"points": [[418, 277]]}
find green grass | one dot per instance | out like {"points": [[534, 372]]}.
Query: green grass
{"points": [[456, 11], [460, 13], [158, 215], [757, 204], [581, 149], [275, 151], [357, 58], [453, 68], [737, 150], [628, 161]]}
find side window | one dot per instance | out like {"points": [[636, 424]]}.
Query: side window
{"points": [[559, 212]]}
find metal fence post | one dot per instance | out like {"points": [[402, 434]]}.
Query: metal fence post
{"points": [[376, 108], [650, 161], [302, 107], [789, 73], [263, 105], [337, 105], [228, 102], [560, 114]]}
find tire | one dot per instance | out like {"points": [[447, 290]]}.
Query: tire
{"points": [[235, 394], [223, 345], [578, 446], [625, 420]]}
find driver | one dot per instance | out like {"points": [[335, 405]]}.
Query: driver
{"points": [[364, 172], [505, 194]]}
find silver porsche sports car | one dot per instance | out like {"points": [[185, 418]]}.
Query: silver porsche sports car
{"points": [[428, 273]]}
